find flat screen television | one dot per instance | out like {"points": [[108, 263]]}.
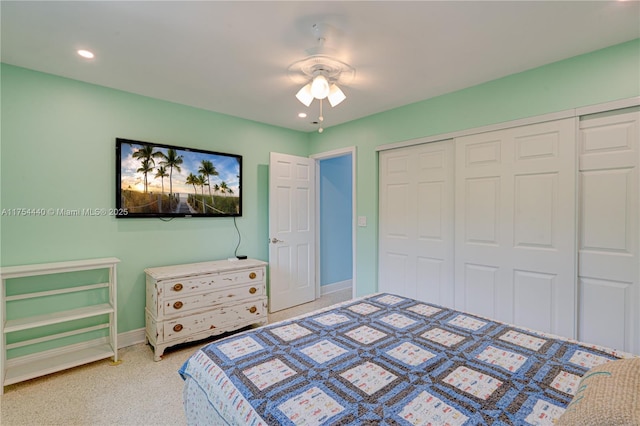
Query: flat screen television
{"points": [[165, 181]]}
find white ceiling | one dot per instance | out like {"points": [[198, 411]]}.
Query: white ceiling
{"points": [[232, 57]]}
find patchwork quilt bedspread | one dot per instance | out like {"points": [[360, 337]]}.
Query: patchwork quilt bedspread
{"points": [[385, 359]]}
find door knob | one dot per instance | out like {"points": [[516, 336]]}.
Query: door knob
{"points": [[275, 240]]}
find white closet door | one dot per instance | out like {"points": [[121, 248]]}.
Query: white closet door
{"points": [[515, 225], [608, 260], [416, 222]]}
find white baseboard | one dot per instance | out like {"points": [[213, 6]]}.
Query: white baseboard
{"points": [[333, 287], [130, 338]]}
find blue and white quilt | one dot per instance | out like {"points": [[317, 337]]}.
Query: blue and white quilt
{"points": [[390, 360]]}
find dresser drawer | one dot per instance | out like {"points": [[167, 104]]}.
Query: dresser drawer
{"points": [[203, 283], [215, 318], [183, 303]]}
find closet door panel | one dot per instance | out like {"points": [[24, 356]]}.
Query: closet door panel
{"points": [[416, 222], [605, 314], [481, 283], [604, 227], [536, 210], [533, 294], [606, 266], [609, 231], [397, 277], [399, 204], [431, 274], [482, 215], [515, 215], [430, 199]]}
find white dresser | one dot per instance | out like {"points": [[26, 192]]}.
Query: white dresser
{"points": [[194, 301]]}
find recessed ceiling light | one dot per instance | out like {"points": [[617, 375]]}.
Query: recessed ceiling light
{"points": [[302, 115], [86, 54]]}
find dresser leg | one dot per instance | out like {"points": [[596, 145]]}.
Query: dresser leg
{"points": [[158, 351]]}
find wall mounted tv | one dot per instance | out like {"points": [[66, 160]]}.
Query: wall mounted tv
{"points": [[165, 181]]}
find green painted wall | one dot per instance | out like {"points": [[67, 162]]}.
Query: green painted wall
{"points": [[601, 76], [58, 151]]}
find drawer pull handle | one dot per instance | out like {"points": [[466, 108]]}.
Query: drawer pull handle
{"points": [[177, 287], [252, 275], [177, 305], [252, 290], [177, 327], [253, 309]]}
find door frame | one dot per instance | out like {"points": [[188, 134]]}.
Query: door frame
{"points": [[326, 156]]}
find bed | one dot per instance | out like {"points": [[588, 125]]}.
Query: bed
{"points": [[386, 359]]}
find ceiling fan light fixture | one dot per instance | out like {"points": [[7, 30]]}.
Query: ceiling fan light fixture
{"points": [[335, 95], [320, 87], [320, 73], [304, 95]]}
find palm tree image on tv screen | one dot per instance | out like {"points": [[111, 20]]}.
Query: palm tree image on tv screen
{"points": [[161, 180]]}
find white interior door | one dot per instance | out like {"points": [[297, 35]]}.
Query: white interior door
{"points": [[608, 273], [291, 231], [515, 225], [416, 222]]}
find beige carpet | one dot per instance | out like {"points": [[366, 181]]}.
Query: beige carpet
{"points": [[139, 391]]}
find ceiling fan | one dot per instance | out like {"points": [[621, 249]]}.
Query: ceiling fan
{"points": [[320, 73]]}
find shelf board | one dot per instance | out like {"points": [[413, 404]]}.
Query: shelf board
{"points": [[56, 336], [28, 370], [67, 290], [8, 272], [57, 317]]}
